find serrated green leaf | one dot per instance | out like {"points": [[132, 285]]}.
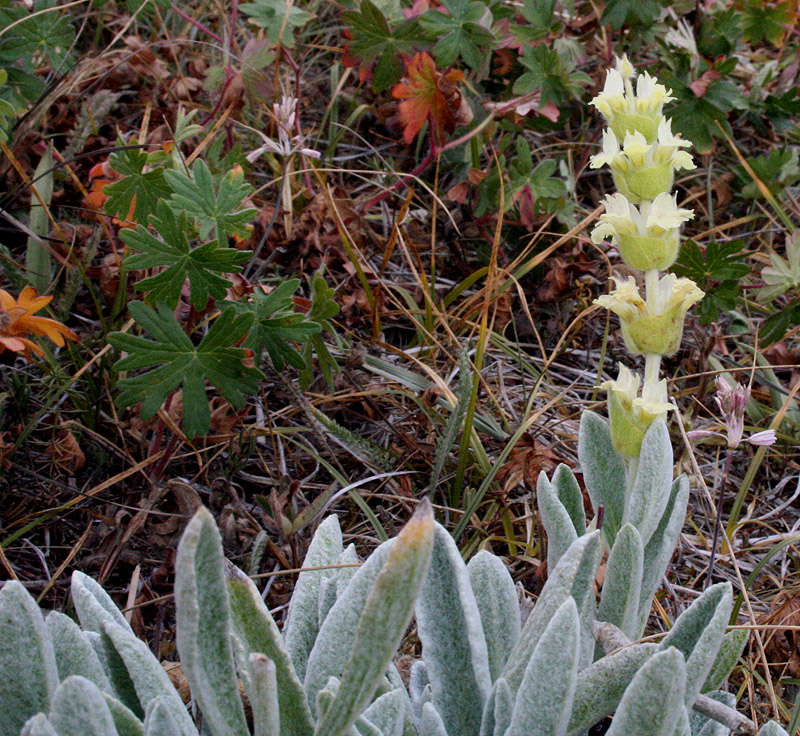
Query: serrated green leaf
{"points": [[278, 18], [138, 189], [548, 72], [375, 42], [462, 31], [213, 204], [276, 325], [761, 22], [173, 253], [619, 13], [175, 362]]}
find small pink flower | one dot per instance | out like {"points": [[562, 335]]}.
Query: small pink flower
{"points": [[765, 438]]}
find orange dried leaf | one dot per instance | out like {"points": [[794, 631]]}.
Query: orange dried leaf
{"points": [[429, 95]]}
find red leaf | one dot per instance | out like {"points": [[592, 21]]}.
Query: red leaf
{"points": [[430, 95]]}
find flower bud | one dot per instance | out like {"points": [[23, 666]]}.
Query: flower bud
{"points": [[655, 327], [647, 236]]}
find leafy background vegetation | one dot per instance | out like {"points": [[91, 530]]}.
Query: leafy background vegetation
{"points": [[380, 288]]}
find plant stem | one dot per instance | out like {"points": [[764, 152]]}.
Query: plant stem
{"points": [[718, 520]]}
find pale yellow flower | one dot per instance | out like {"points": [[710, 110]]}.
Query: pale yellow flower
{"points": [[627, 111], [630, 414], [654, 326], [647, 236]]}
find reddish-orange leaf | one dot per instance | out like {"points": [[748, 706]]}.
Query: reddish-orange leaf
{"points": [[429, 95]]}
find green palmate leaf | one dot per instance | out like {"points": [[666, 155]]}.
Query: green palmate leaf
{"points": [[619, 13], [551, 74], [277, 325], [172, 252], [139, 189], [49, 34], [762, 22], [175, 362], [375, 42], [718, 272], [539, 14], [697, 118], [203, 627], [278, 17], [212, 204], [462, 31], [28, 674], [496, 598], [382, 622]]}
